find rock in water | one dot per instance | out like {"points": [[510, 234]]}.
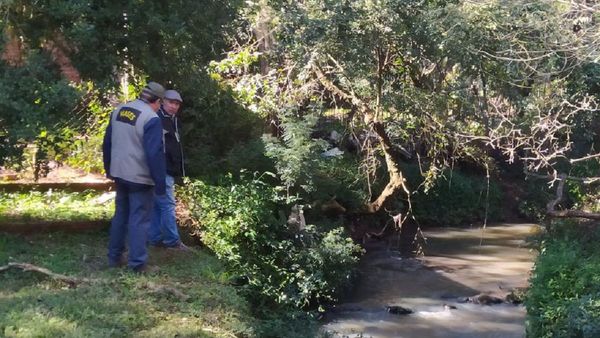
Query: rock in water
{"points": [[486, 300], [449, 307], [398, 310], [514, 299]]}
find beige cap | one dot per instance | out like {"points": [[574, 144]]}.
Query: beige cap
{"points": [[154, 88]]}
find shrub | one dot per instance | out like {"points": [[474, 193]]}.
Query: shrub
{"points": [[36, 105], [243, 222], [564, 297]]}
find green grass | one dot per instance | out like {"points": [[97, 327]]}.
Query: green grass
{"points": [[53, 206], [118, 303]]}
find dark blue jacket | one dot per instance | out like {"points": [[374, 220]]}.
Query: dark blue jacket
{"points": [[173, 148]]}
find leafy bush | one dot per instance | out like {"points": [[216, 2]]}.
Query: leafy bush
{"points": [[35, 104], [296, 154], [248, 156], [564, 297], [576, 195], [243, 222]]}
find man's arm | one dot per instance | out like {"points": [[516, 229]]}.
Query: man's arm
{"points": [[155, 155], [107, 148]]}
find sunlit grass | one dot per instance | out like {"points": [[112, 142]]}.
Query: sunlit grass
{"points": [[117, 303]]}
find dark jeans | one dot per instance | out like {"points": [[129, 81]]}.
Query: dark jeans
{"points": [[133, 210]]}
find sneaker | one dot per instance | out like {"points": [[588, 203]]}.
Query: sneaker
{"points": [[181, 247]]}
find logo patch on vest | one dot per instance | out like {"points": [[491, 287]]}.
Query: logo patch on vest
{"points": [[128, 115]]}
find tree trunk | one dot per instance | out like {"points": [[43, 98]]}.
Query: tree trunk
{"points": [[396, 178], [13, 49]]}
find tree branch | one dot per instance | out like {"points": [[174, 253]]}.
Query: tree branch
{"points": [[583, 180], [585, 158], [73, 282]]}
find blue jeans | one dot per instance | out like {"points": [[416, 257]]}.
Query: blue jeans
{"points": [[163, 230], [133, 210]]}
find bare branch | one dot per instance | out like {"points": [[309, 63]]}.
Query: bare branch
{"points": [[585, 158], [551, 178], [73, 282], [551, 206]]}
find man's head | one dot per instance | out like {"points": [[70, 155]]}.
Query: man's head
{"points": [[152, 94], [172, 102]]}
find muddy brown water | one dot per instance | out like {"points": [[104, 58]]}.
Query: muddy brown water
{"points": [[458, 263]]}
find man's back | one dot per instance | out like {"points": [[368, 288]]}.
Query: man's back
{"points": [[128, 158]]}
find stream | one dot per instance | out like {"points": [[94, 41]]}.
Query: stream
{"points": [[440, 287]]}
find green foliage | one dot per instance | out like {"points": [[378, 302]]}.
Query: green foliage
{"points": [[576, 195], [537, 195], [455, 199], [35, 104], [249, 156], [297, 153], [107, 43], [289, 324], [564, 297], [243, 223], [53, 206], [214, 125]]}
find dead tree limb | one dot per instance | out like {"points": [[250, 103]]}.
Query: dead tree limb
{"points": [[551, 206], [585, 158], [73, 282]]}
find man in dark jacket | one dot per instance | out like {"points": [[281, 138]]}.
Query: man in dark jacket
{"points": [[163, 231], [134, 158]]}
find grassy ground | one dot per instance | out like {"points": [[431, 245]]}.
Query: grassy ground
{"points": [[117, 303]]}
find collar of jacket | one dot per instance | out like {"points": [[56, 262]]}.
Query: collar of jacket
{"points": [[163, 113]]}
